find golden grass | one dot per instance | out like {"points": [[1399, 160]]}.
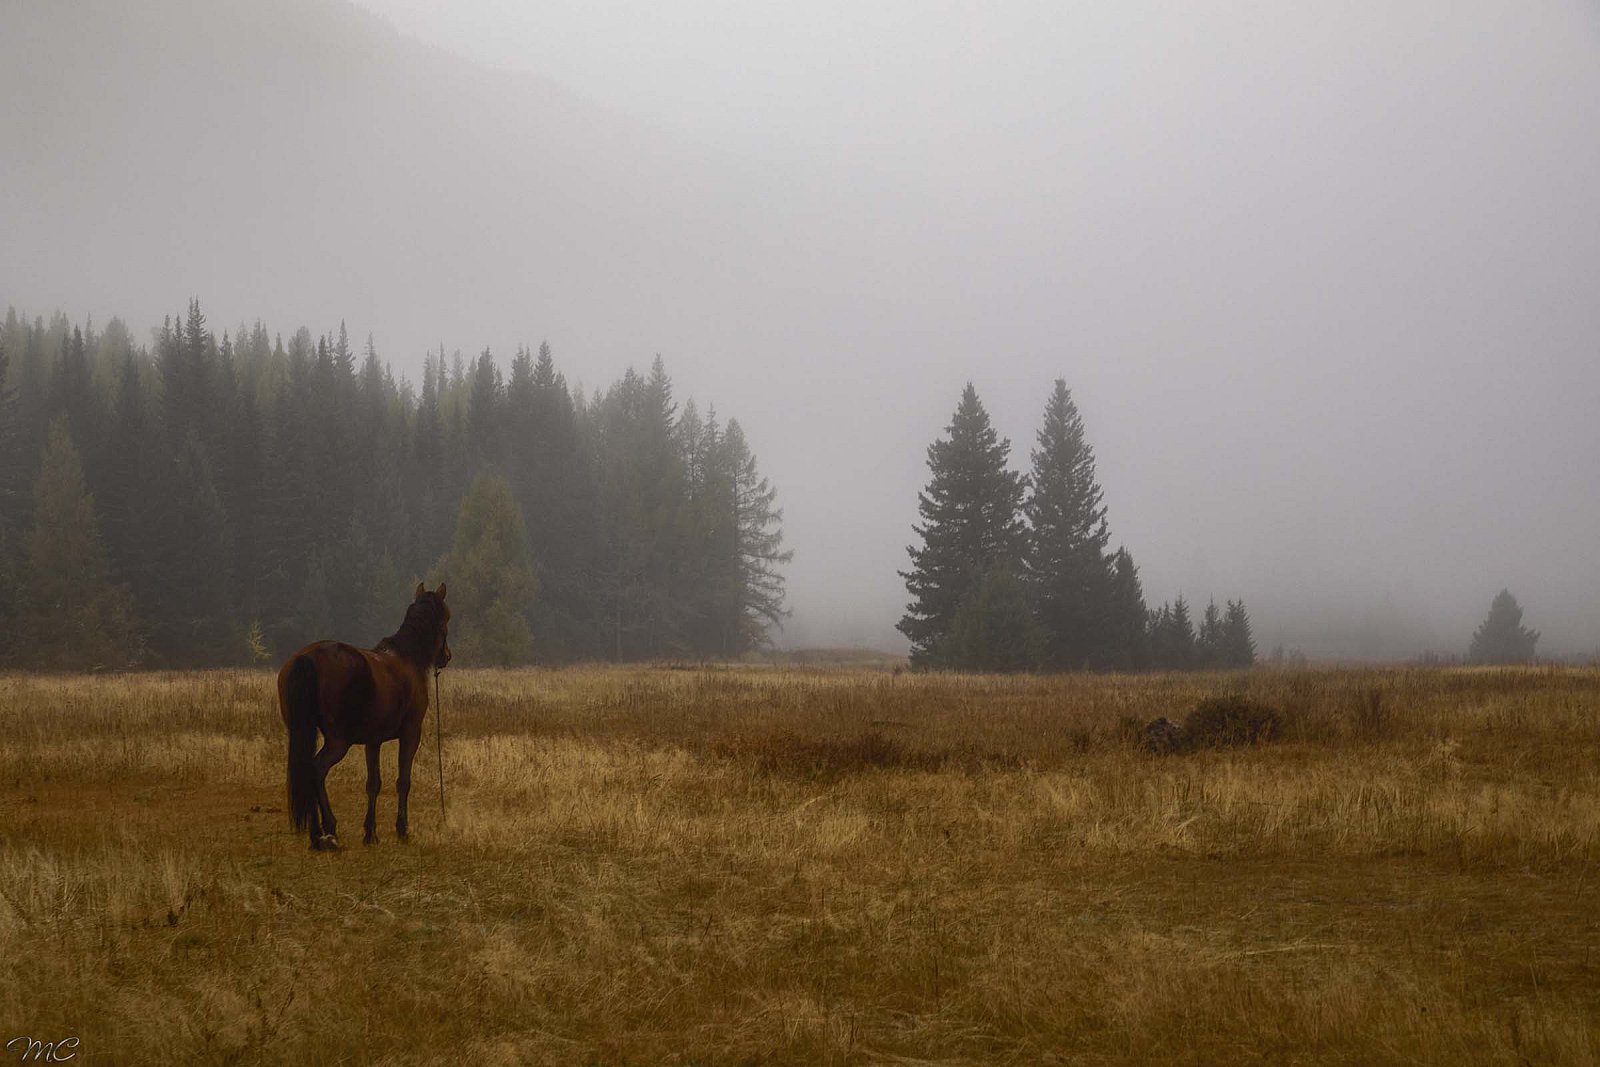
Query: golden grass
{"points": [[815, 866]]}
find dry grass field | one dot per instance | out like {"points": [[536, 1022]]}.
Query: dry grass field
{"points": [[815, 866]]}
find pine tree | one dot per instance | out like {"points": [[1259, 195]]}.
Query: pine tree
{"points": [[1127, 638], [550, 477], [344, 357], [970, 523], [1172, 638], [483, 412], [11, 461], [11, 448], [1238, 643], [76, 615], [994, 628], [1183, 636], [1208, 650], [640, 491], [193, 619], [490, 578], [758, 539], [713, 572], [1068, 567], [72, 395], [8, 598], [1501, 637]]}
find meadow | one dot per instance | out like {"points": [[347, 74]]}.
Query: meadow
{"points": [[815, 865]]}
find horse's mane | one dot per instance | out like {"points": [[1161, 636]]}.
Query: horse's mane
{"points": [[415, 638]]}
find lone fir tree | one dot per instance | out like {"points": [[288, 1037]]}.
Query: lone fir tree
{"points": [[1068, 568], [1501, 638], [971, 523]]}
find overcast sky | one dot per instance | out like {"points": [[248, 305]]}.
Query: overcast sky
{"points": [[1324, 279]]}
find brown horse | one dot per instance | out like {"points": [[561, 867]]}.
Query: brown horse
{"points": [[356, 696]]}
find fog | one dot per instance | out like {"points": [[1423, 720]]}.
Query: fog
{"points": [[1325, 283]]}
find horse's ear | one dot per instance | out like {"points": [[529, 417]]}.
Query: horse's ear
{"points": [[441, 590], [420, 590]]}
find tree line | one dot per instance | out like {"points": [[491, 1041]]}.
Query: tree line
{"points": [[204, 501], [1014, 571]]}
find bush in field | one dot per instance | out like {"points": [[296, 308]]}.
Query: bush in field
{"points": [[1162, 737], [1231, 720]]}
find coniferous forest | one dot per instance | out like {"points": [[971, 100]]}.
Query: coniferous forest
{"points": [[209, 500], [1014, 571]]}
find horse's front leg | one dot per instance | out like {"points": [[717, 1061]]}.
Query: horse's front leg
{"points": [[333, 750], [374, 786], [410, 737]]}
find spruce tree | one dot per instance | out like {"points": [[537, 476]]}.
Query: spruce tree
{"points": [[491, 580], [191, 610], [1238, 643], [716, 611], [76, 615], [551, 475], [1172, 638], [758, 539], [483, 412], [11, 449], [1127, 638], [1183, 649], [1501, 637], [1208, 651], [994, 627], [1067, 563], [970, 523]]}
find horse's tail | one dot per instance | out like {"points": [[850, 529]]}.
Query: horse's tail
{"points": [[300, 712]]}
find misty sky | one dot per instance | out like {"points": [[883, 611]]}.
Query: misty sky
{"points": [[1325, 282]]}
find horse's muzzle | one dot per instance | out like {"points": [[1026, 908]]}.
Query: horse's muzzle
{"points": [[444, 657]]}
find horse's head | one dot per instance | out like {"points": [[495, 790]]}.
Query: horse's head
{"points": [[430, 615]]}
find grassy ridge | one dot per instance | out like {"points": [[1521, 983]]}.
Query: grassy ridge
{"points": [[731, 866]]}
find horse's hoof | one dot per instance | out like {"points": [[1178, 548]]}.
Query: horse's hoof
{"points": [[403, 837], [329, 843], [369, 839]]}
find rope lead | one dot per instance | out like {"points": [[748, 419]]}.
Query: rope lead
{"points": [[438, 726]]}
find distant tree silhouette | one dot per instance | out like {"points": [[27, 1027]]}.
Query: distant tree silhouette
{"points": [[1127, 637], [970, 524], [75, 614], [291, 488], [994, 628], [1067, 565], [1208, 650], [490, 576], [1238, 644], [1501, 638]]}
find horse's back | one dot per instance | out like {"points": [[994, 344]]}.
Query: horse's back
{"points": [[358, 698]]}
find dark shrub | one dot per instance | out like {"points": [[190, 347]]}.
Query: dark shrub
{"points": [[1162, 737], [1231, 720]]}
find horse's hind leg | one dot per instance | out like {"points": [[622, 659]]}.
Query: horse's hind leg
{"points": [[333, 751], [374, 786], [410, 737]]}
